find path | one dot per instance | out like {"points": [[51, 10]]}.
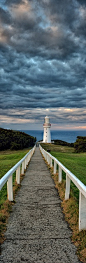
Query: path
{"points": [[37, 231]]}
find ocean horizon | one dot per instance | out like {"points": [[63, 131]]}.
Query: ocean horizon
{"points": [[64, 135]]}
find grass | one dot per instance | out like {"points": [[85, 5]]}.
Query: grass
{"points": [[76, 163], [7, 160], [71, 211]]}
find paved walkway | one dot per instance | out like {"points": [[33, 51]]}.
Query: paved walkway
{"points": [[37, 231]]}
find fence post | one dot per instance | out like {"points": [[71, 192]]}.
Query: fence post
{"points": [[23, 167], [55, 167], [50, 161], [82, 212], [30, 155], [25, 164], [28, 158], [60, 175], [10, 188], [18, 175], [67, 191], [47, 158]]}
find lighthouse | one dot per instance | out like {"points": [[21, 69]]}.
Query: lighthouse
{"points": [[47, 135]]}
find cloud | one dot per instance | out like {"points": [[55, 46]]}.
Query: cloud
{"points": [[4, 17], [60, 118], [42, 58], [82, 2]]}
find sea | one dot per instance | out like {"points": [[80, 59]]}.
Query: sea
{"points": [[64, 135]]}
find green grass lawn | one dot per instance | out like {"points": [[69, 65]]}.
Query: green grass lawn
{"points": [[7, 160], [75, 162]]}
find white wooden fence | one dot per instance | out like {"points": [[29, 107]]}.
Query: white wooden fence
{"points": [[69, 177], [8, 176]]}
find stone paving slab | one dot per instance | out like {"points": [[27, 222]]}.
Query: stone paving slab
{"points": [[36, 230], [38, 195], [36, 222], [39, 250]]}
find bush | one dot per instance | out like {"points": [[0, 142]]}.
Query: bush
{"points": [[15, 146], [63, 143], [15, 140], [80, 144]]}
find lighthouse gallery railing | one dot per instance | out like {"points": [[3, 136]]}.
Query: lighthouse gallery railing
{"points": [[69, 177], [8, 176]]}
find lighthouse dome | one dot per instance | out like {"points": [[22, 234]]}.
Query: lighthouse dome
{"points": [[47, 119]]}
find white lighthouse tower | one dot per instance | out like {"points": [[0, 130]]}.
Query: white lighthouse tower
{"points": [[47, 135]]}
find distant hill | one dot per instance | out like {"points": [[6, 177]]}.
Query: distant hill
{"points": [[15, 140]]}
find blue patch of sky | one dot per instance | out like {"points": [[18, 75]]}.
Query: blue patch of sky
{"points": [[3, 5]]}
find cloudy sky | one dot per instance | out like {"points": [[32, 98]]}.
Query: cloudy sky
{"points": [[42, 63]]}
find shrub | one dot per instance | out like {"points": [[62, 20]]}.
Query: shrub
{"points": [[15, 140], [80, 144]]}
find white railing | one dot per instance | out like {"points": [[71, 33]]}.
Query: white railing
{"points": [[69, 177], [8, 176]]}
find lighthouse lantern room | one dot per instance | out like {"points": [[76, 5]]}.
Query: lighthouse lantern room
{"points": [[47, 135]]}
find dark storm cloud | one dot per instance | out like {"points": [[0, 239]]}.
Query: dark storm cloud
{"points": [[4, 16], [82, 2], [42, 55], [9, 2]]}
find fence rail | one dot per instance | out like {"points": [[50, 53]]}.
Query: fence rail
{"points": [[69, 177], [8, 176]]}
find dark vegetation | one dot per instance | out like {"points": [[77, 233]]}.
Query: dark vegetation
{"points": [[15, 140], [80, 144], [63, 143]]}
